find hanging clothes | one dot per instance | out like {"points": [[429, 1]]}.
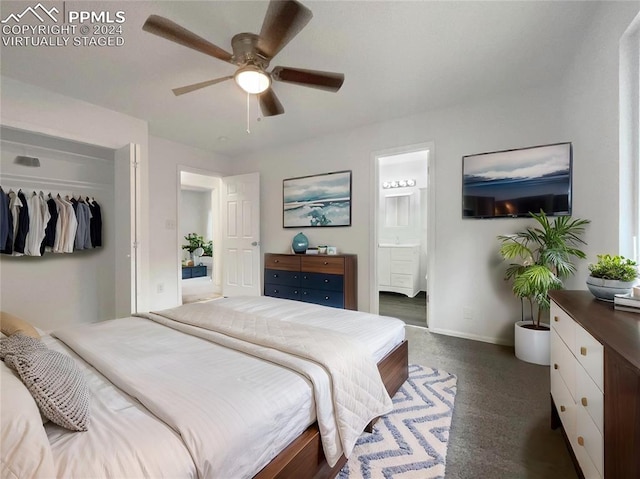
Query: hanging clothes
{"points": [[83, 233], [14, 207], [69, 235], [6, 224], [21, 232], [50, 230], [38, 219], [96, 223]]}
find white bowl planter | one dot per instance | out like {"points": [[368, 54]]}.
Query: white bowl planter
{"points": [[532, 345], [606, 289]]}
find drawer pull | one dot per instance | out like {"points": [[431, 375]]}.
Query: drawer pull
{"points": [[326, 298], [326, 280], [295, 292], [584, 402], [326, 262], [555, 318], [275, 275], [304, 292], [276, 291], [276, 260], [555, 365], [583, 350], [563, 409], [581, 440]]}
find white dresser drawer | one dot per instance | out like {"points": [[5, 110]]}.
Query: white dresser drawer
{"points": [[591, 439], [586, 464], [401, 280], [563, 362], [563, 325], [402, 267], [590, 397], [564, 403], [404, 254], [590, 353]]}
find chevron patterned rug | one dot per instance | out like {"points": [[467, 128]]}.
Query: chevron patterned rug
{"points": [[411, 441]]}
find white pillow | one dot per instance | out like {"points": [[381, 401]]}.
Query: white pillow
{"points": [[25, 450]]}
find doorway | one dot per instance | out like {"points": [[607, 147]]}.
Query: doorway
{"points": [[403, 242], [199, 236]]}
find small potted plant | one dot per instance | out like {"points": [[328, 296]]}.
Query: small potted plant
{"points": [[545, 256], [195, 241], [611, 275]]}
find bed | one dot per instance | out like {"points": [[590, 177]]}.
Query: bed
{"points": [[237, 387]]}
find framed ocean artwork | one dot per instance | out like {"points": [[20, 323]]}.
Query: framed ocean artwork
{"points": [[318, 200]]}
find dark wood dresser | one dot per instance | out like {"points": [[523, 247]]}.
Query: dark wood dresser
{"points": [[595, 383], [330, 280]]}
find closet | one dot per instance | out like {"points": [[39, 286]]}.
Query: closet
{"points": [[57, 289]]}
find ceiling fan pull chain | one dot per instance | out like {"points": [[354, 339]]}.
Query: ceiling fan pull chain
{"points": [[248, 98]]}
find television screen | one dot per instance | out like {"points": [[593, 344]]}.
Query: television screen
{"points": [[512, 183]]}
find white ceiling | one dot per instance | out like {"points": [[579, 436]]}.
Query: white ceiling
{"points": [[399, 58]]}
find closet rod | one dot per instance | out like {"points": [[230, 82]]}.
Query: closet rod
{"points": [[45, 149], [35, 182]]}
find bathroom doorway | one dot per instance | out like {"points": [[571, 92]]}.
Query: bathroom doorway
{"points": [[403, 206]]}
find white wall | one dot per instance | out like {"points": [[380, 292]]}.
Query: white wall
{"points": [[467, 269], [590, 108], [166, 160], [35, 109], [195, 214]]}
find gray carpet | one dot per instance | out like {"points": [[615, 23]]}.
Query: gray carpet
{"points": [[500, 425]]}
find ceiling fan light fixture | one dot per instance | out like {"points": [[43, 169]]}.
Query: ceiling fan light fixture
{"points": [[252, 79]]}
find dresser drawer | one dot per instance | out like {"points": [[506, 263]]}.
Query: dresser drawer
{"points": [[404, 254], [590, 354], [565, 404], [282, 291], [402, 280], [591, 439], [276, 276], [563, 325], [563, 362], [335, 299], [402, 267], [323, 264], [282, 261], [330, 282], [590, 397]]}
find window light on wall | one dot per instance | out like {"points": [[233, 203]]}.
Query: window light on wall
{"points": [[398, 184]]}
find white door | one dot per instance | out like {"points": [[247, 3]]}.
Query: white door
{"points": [[241, 235], [127, 186]]}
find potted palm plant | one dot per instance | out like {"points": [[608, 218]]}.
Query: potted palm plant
{"points": [[544, 255]]}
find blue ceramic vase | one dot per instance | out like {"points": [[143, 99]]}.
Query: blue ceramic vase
{"points": [[300, 243]]}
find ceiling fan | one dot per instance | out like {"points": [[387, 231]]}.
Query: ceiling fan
{"points": [[252, 53]]}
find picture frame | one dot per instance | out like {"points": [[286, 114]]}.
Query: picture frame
{"points": [[317, 200], [332, 250]]}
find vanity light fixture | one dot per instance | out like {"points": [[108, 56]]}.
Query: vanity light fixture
{"points": [[398, 184]]}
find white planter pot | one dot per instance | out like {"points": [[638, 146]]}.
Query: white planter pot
{"points": [[532, 345]]}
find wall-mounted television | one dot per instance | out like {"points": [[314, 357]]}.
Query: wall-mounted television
{"points": [[512, 183]]}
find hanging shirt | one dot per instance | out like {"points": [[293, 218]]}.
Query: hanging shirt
{"points": [[72, 226], [38, 218], [96, 224], [14, 207], [83, 234], [6, 224], [50, 230], [20, 233]]}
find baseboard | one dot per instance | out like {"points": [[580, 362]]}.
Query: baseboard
{"points": [[474, 337]]}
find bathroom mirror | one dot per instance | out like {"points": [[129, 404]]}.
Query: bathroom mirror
{"points": [[397, 209]]}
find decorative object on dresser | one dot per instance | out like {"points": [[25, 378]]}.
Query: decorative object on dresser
{"points": [[545, 253], [318, 200], [300, 243], [330, 281], [627, 302], [595, 384], [399, 268], [611, 275]]}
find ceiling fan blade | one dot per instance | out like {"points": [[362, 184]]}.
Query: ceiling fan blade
{"points": [[269, 104], [165, 28], [312, 78], [196, 86], [283, 21]]}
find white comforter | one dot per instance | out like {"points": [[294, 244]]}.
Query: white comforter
{"points": [[188, 398]]}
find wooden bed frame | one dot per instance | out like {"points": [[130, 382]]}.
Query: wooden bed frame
{"points": [[304, 457]]}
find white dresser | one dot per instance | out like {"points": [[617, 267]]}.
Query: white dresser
{"points": [[595, 383], [399, 269], [577, 389]]}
